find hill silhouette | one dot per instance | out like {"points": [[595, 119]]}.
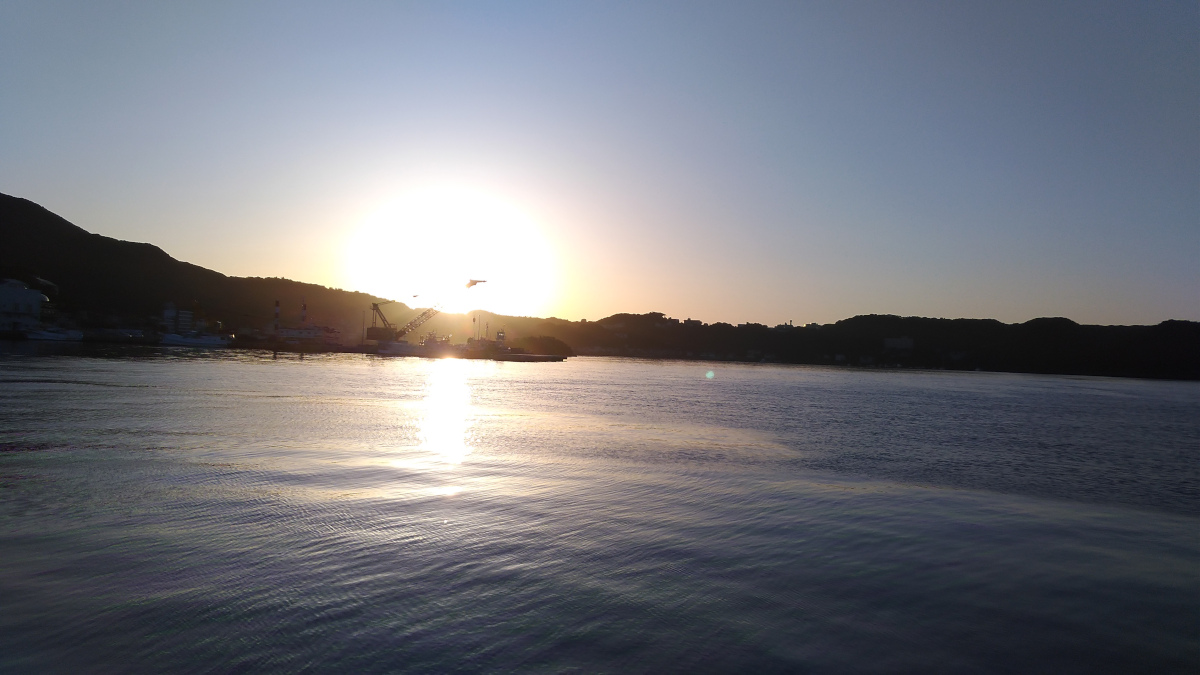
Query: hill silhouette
{"points": [[100, 281], [1170, 349]]}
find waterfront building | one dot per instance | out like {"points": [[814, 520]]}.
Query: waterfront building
{"points": [[20, 306]]}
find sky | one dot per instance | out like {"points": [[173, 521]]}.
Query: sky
{"points": [[724, 161]]}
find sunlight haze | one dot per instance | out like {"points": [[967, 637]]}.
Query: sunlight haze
{"points": [[721, 161], [423, 246]]}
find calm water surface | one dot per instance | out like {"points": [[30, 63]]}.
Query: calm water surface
{"points": [[193, 512]]}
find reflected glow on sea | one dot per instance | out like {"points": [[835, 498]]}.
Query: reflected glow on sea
{"points": [[182, 511]]}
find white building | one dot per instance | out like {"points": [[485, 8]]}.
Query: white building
{"points": [[176, 320], [20, 306]]}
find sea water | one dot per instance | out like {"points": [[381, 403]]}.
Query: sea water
{"points": [[183, 511]]}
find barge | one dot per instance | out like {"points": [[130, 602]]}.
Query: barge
{"points": [[434, 346]]}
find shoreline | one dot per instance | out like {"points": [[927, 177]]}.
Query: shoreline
{"points": [[93, 347]]}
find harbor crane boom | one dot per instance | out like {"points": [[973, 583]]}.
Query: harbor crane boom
{"points": [[417, 321], [384, 331]]}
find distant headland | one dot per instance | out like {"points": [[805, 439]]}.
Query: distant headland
{"points": [[102, 286]]}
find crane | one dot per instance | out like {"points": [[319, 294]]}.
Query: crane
{"points": [[383, 330]]}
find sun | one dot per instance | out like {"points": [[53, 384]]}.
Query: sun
{"points": [[430, 242]]}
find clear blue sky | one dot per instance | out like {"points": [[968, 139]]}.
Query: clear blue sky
{"points": [[723, 161]]}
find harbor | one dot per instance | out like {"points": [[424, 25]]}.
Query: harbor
{"points": [[28, 316], [385, 339]]}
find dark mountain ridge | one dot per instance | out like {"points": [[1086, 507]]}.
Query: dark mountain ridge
{"points": [[1170, 349], [100, 281]]}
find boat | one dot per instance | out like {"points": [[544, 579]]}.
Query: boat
{"points": [[497, 350], [434, 346], [55, 335], [386, 341], [528, 358], [194, 339], [399, 348]]}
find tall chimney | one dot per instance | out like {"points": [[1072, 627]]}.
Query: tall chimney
{"points": [[303, 312], [276, 316]]}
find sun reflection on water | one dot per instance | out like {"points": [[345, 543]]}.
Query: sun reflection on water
{"points": [[445, 423]]}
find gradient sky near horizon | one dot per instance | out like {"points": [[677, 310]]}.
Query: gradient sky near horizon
{"points": [[763, 161]]}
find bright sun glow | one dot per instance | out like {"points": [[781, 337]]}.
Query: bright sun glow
{"points": [[430, 242]]}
